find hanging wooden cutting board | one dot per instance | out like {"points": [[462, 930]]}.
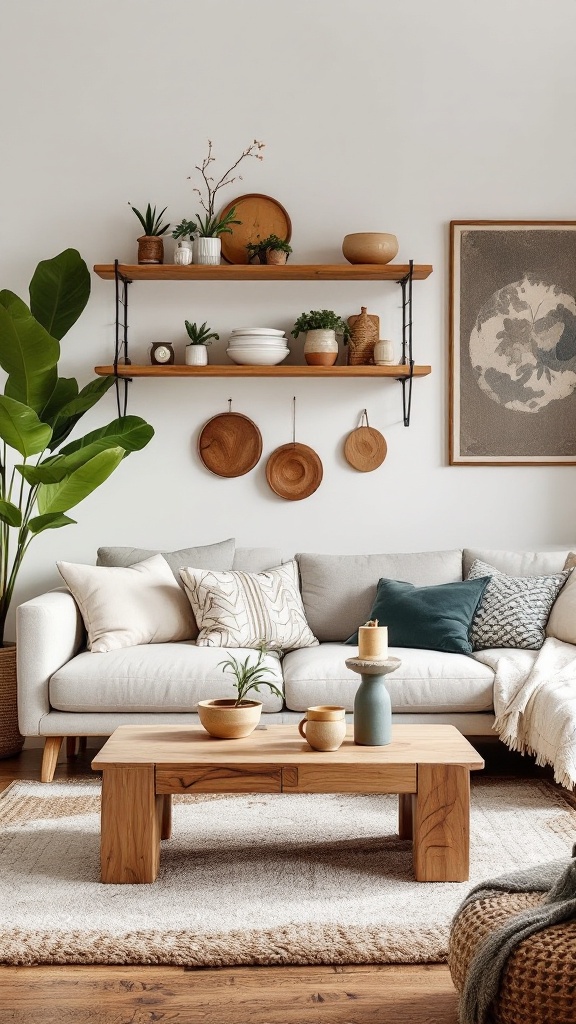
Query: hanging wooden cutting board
{"points": [[294, 471], [230, 444], [365, 449]]}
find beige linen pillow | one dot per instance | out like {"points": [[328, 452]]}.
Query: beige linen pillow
{"points": [[142, 604], [562, 621], [244, 609]]}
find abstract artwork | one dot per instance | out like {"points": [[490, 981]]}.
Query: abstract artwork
{"points": [[512, 343]]}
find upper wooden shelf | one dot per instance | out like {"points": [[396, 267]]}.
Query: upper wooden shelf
{"points": [[250, 272], [214, 370]]}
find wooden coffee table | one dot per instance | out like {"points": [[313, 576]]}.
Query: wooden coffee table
{"points": [[143, 765]]}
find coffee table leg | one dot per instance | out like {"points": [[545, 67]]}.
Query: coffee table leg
{"points": [[166, 816], [442, 823], [131, 825], [405, 815]]}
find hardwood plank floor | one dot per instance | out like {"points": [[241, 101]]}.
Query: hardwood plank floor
{"points": [[405, 994]]}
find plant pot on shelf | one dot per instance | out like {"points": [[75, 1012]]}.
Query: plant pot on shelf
{"points": [[11, 741], [150, 249], [228, 721], [276, 257], [196, 355], [183, 252], [207, 251], [321, 348]]}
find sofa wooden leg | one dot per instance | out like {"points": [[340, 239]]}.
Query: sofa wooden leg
{"points": [[50, 757], [82, 744], [70, 747]]}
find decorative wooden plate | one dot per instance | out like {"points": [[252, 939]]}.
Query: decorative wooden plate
{"points": [[365, 449], [261, 216], [230, 444], [294, 471]]}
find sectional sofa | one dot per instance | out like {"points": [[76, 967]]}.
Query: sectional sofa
{"points": [[66, 691]]}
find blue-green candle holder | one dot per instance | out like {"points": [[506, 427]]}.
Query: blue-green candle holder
{"points": [[372, 706]]}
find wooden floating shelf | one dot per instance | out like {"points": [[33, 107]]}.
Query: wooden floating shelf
{"points": [[250, 272], [395, 372]]}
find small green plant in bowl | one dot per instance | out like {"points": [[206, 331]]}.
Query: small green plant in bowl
{"points": [[271, 250], [320, 320], [249, 675], [151, 244], [185, 229], [321, 327], [234, 718]]}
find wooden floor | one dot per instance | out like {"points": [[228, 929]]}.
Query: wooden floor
{"points": [[258, 995]]}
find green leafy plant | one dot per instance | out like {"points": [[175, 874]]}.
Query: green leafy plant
{"points": [[320, 320], [249, 676], [39, 410], [151, 222], [185, 229], [272, 242], [200, 335], [210, 225]]}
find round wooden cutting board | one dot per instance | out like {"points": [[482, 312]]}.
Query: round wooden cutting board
{"points": [[261, 216], [294, 471], [365, 449], [230, 444]]}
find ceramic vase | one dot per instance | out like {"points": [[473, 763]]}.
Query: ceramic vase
{"points": [[196, 355], [321, 348], [183, 252], [372, 712], [150, 249], [207, 251]]}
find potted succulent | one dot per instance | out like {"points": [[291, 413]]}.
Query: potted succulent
{"points": [[41, 478], [207, 244], [321, 327], [196, 353], [232, 718], [272, 250], [183, 235], [151, 243]]}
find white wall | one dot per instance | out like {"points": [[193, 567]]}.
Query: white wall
{"points": [[376, 115]]}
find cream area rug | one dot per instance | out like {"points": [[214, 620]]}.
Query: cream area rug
{"points": [[263, 879]]}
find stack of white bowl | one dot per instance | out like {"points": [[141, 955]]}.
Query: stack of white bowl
{"points": [[257, 346]]}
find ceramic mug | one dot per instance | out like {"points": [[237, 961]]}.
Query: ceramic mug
{"points": [[324, 727]]}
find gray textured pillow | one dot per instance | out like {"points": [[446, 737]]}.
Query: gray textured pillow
{"points": [[514, 609], [210, 556]]}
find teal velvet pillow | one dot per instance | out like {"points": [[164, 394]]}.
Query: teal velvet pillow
{"points": [[435, 618]]}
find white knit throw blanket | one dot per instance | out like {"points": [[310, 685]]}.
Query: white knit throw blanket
{"points": [[535, 704]]}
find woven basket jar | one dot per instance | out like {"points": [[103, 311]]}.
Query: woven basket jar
{"points": [[150, 249], [276, 257], [363, 337], [11, 742]]}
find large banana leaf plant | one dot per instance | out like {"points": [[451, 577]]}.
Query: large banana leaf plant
{"points": [[41, 478]]}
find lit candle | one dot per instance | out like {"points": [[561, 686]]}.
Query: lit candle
{"points": [[373, 641]]}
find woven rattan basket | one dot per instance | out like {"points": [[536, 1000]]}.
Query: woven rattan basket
{"points": [[11, 742], [538, 985], [364, 330]]}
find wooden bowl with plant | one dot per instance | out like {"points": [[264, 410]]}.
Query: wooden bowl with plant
{"points": [[272, 250], [232, 718]]}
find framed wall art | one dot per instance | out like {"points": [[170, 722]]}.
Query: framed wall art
{"points": [[512, 343]]}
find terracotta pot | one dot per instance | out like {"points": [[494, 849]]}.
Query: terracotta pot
{"points": [[150, 249], [221, 718], [321, 348], [276, 257], [370, 247], [11, 742]]}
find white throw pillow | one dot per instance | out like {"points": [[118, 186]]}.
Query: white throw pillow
{"points": [[245, 609], [562, 621], [142, 604]]}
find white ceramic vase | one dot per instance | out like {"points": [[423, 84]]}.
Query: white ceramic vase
{"points": [[321, 348], [207, 251], [183, 252], [196, 355]]}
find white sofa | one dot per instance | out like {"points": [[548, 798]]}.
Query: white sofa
{"points": [[66, 691]]}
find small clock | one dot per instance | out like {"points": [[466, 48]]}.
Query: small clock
{"points": [[162, 353]]}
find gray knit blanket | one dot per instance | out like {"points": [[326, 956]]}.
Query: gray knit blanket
{"points": [[558, 881]]}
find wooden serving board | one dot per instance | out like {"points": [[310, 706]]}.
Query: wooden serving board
{"points": [[365, 449], [230, 444]]}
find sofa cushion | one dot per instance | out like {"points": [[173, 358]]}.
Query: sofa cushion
{"points": [[516, 563], [141, 604], [338, 591], [242, 609], [514, 609], [562, 621], [208, 556], [434, 618], [155, 678], [250, 560], [426, 680]]}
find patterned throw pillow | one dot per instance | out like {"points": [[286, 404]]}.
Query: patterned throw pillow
{"points": [[245, 609], [514, 609]]}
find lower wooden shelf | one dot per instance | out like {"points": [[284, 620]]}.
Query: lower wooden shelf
{"points": [[394, 372]]}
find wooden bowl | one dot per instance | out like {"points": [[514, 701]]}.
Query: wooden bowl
{"points": [[370, 247]]}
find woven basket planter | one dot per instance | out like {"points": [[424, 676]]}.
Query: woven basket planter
{"points": [[150, 249], [11, 742], [538, 985], [276, 257]]}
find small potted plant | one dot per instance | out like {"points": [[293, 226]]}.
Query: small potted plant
{"points": [[183, 235], [272, 250], [230, 718], [151, 244], [196, 352], [321, 327]]}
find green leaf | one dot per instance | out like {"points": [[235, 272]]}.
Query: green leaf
{"points": [[59, 291], [69, 415], [28, 354], [131, 433], [21, 429], [45, 473], [50, 521], [65, 390], [10, 513], [60, 497]]}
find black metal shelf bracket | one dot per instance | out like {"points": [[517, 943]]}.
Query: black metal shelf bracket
{"points": [[407, 354], [121, 339]]}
